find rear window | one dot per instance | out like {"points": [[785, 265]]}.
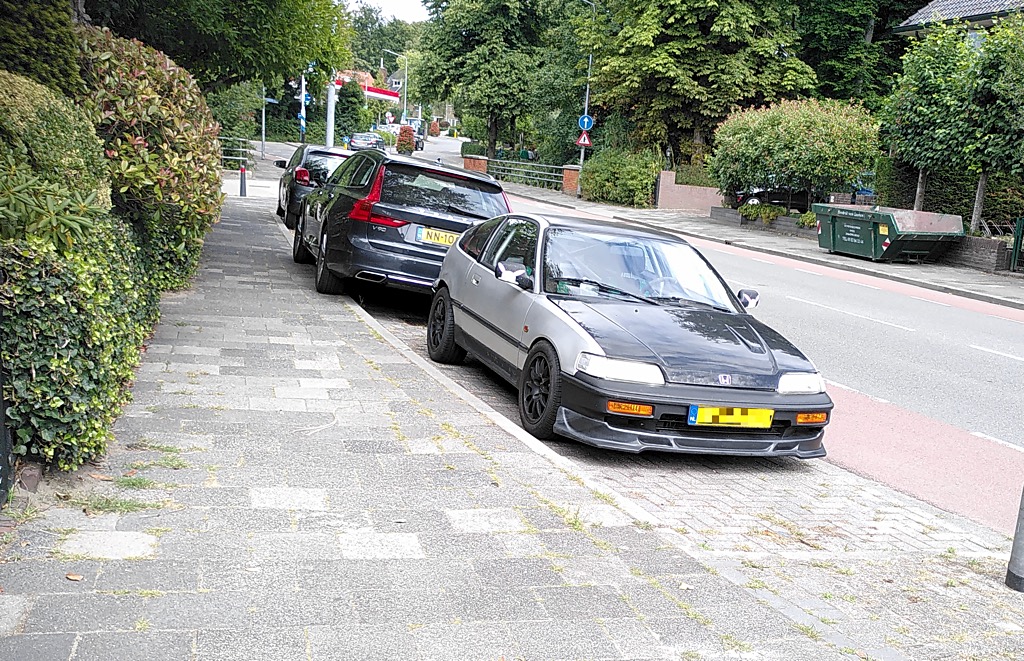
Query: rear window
{"points": [[432, 189], [321, 165]]}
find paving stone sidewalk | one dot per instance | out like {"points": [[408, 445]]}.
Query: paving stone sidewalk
{"points": [[289, 485]]}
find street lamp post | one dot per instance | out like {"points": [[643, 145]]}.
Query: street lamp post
{"points": [[405, 85]]}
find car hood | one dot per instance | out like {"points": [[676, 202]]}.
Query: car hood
{"points": [[696, 346]]}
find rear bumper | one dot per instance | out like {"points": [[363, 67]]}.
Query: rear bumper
{"points": [[352, 255], [583, 417]]}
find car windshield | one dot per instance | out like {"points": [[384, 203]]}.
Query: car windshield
{"points": [[433, 189], [590, 262]]}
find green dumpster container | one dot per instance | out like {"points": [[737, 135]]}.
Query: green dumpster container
{"points": [[886, 234]]}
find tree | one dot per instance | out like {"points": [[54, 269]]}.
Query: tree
{"points": [[372, 34], [481, 53], [818, 146], [994, 133], [348, 106], [678, 68], [923, 116], [851, 47], [222, 42]]}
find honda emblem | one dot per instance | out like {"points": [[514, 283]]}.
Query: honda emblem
{"points": [[725, 379]]}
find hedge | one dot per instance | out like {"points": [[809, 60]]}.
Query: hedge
{"points": [[473, 149], [161, 141], [37, 40], [72, 337], [951, 190], [53, 136], [620, 177]]}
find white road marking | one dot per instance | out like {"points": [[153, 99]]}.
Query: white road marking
{"points": [[763, 261], [859, 392], [806, 271], [1006, 319], [997, 440], [998, 353], [926, 300], [852, 314], [861, 284]]}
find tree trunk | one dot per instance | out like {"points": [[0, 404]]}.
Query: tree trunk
{"points": [[979, 203], [492, 135], [922, 181], [78, 14]]}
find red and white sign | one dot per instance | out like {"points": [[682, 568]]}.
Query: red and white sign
{"points": [[373, 92], [584, 140]]}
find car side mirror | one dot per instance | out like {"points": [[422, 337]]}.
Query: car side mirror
{"points": [[281, 164], [524, 281], [748, 298]]}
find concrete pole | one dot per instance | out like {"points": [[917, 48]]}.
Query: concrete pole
{"points": [[331, 99], [586, 111], [1015, 571], [263, 126]]}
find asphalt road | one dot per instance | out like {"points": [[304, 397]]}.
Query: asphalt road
{"points": [[927, 384]]}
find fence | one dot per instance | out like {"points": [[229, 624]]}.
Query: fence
{"points": [[523, 172], [236, 152]]}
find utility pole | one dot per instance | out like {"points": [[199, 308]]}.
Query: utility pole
{"points": [[405, 85], [586, 100], [331, 100], [302, 113], [263, 126]]}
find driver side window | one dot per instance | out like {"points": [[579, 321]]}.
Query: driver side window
{"points": [[514, 247]]}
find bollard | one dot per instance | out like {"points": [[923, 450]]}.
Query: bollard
{"points": [[241, 181], [1015, 572]]}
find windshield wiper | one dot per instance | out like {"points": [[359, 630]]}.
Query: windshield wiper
{"points": [[683, 299], [454, 209], [608, 289]]}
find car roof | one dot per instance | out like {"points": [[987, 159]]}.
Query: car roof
{"points": [[439, 167], [614, 226], [329, 150]]}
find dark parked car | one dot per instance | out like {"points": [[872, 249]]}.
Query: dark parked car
{"points": [[308, 168], [366, 141], [624, 338], [390, 219]]}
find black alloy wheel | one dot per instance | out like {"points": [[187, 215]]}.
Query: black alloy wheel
{"points": [[441, 346], [325, 281], [540, 391], [300, 253]]}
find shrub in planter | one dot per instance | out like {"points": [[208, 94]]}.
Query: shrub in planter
{"points": [[72, 338], [52, 136], [808, 220], [161, 142], [406, 143], [620, 177], [766, 213], [435, 129], [473, 149]]}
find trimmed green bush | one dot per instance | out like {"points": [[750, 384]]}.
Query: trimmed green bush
{"points": [[951, 190], [37, 40], [620, 177], [694, 175], [161, 142], [473, 149], [72, 334], [53, 136], [766, 213]]}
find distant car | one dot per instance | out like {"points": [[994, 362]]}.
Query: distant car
{"points": [[309, 167], [798, 200], [366, 141], [624, 338], [389, 220]]}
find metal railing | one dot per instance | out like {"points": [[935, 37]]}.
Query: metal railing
{"points": [[236, 152], [523, 172]]}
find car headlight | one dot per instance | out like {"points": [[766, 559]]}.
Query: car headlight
{"points": [[801, 383], [614, 369]]}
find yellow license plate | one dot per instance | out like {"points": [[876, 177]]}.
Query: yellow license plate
{"points": [[727, 416], [437, 237]]}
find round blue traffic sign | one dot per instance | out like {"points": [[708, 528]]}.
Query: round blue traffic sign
{"points": [[586, 122]]}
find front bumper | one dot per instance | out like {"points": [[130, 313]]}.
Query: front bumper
{"points": [[583, 417]]}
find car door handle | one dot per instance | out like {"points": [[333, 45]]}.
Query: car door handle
{"points": [[476, 279]]}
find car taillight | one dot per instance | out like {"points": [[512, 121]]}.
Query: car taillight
{"points": [[302, 176], [363, 209]]}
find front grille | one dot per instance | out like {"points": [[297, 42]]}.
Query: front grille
{"points": [[669, 422]]}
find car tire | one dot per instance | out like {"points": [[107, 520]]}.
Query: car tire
{"points": [[325, 281], [441, 346], [290, 220], [752, 201], [540, 391], [300, 253]]}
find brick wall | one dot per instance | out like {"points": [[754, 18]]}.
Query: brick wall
{"points": [[979, 253], [570, 179], [475, 163], [676, 196]]}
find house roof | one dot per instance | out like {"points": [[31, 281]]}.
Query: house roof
{"points": [[970, 10]]}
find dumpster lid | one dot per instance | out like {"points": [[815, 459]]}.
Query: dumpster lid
{"points": [[907, 221]]}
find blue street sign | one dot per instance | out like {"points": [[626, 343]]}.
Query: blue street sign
{"points": [[267, 99], [586, 122], [308, 98]]}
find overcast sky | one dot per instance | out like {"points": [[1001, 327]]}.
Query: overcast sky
{"points": [[409, 11]]}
